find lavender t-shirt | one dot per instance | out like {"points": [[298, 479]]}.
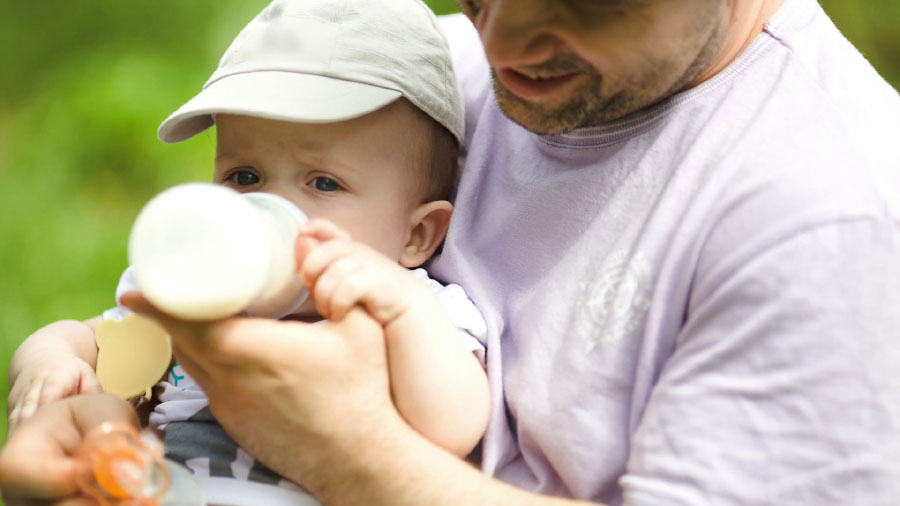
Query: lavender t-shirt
{"points": [[699, 303]]}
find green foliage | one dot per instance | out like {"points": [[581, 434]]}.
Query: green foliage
{"points": [[83, 87], [872, 27]]}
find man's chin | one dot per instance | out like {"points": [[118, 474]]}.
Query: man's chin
{"points": [[543, 119], [586, 109]]}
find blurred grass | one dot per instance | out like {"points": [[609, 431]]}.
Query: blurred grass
{"points": [[83, 87]]}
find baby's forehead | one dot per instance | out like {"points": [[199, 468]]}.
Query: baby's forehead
{"points": [[394, 135]]}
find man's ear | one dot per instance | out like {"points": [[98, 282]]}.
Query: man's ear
{"points": [[427, 226]]}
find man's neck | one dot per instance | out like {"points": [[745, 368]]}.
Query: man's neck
{"points": [[747, 19]]}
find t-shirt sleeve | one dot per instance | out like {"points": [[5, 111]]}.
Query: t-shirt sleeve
{"points": [[782, 386], [462, 312], [126, 284]]}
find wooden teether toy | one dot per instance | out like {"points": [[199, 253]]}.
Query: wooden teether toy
{"points": [[134, 353]]}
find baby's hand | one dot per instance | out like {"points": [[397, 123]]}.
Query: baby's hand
{"points": [[52, 377], [341, 273]]}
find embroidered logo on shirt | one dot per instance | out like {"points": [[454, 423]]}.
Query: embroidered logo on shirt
{"points": [[615, 303]]}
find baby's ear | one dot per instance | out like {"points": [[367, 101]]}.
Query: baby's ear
{"points": [[427, 226]]}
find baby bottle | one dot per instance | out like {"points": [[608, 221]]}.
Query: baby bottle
{"points": [[201, 252]]}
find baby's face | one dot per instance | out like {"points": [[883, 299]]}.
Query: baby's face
{"points": [[359, 174]]}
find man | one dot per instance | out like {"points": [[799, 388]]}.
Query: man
{"points": [[688, 260]]}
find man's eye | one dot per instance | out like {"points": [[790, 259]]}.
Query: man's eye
{"points": [[243, 178], [325, 184]]}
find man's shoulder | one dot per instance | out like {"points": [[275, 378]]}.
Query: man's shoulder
{"points": [[464, 43], [459, 31], [469, 62], [819, 76], [800, 108], [818, 112]]}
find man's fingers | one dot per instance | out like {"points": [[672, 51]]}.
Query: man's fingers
{"points": [[45, 480], [139, 304], [211, 350], [77, 501], [89, 411], [37, 461], [358, 325]]}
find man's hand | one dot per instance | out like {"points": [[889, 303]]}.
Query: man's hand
{"points": [[296, 396], [46, 377], [37, 464], [341, 273]]}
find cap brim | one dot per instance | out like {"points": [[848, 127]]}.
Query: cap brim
{"points": [[286, 96]]}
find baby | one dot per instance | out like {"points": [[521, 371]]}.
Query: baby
{"points": [[349, 109]]}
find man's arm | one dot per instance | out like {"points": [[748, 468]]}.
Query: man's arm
{"points": [[783, 387]]}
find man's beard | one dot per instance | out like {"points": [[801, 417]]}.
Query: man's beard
{"points": [[586, 107]]}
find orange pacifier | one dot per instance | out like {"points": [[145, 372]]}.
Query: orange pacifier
{"points": [[120, 466]]}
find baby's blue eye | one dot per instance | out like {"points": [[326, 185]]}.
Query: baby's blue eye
{"points": [[244, 178], [325, 184]]}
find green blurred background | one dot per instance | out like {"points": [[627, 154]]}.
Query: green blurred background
{"points": [[83, 86]]}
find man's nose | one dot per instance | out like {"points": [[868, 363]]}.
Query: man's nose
{"points": [[517, 33]]}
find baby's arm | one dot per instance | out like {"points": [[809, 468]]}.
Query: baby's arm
{"points": [[55, 362], [437, 384]]}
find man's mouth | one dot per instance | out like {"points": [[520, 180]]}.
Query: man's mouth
{"points": [[534, 86]]}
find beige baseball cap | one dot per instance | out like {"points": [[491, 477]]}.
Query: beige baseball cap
{"points": [[320, 61]]}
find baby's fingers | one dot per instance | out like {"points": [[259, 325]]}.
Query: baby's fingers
{"points": [[342, 287], [90, 384], [321, 258], [54, 389], [323, 230], [24, 405], [313, 234]]}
